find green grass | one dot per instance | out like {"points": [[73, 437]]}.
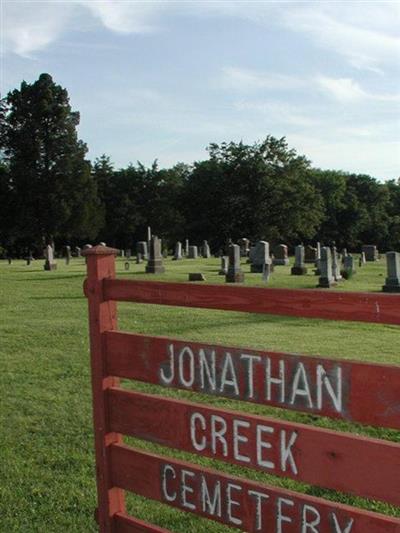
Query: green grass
{"points": [[47, 467]]}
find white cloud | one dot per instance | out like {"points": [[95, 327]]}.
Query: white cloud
{"points": [[364, 33], [30, 27], [373, 157], [343, 89], [350, 32], [27, 28], [348, 90], [277, 113], [125, 16], [244, 79]]}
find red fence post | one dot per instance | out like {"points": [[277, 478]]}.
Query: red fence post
{"points": [[102, 317]]}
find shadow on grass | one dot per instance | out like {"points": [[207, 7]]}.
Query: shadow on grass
{"points": [[58, 298], [55, 278]]}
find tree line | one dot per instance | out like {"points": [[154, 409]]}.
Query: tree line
{"points": [[50, 190]]}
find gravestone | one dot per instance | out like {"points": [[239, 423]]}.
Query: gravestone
{"points": [[349, 268], [392, 283], [281, 255], [128, 253], [196, 276], [102, 243], [29, 258], [266, 272], [234, 273], [127, 265], [122, 253], [139, 258], [87, 246], [335, 265], [193, 253], [326, 279], [344, 254], [224, 265], [165, 253], [187, 247], [318, 250], [299, 268], [148, 239], [244, 246], [205, 250], [260, 257], [251, 254], [363, 259], [77, 251], [371, 252], [178, 251], [310, 254], [67, 254], [49, 264], [142, 248], [155, 262], [227, 246]]}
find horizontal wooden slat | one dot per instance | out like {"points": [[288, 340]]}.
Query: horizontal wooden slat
{"points": [[247, 505], [311, 303], [359, 392], [341, 461], [129, 524]]}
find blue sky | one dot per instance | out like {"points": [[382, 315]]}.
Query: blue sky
{"points": [[164, 79]]}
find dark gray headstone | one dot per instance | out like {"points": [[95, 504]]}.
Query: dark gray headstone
{"points": [[127, 265], [193, 253], [326, 279], [139, 258], [155, 262], [371, 252], [77, 251], [260, 256], [196, 276], [310, 254], [392, 283], [281, 255], [235, 273], [142, 249], [244, 246], [187, 247], [299, 268]]}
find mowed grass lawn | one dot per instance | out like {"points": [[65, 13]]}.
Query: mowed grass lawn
{"points": [[47, 461]]}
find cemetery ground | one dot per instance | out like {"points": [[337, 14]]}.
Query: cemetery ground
{"points": [[47, 459]]}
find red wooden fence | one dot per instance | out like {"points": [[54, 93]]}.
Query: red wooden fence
{"points": [[354, 391]]}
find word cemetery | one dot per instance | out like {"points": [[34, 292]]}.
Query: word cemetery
{"points": [[348, 390]]}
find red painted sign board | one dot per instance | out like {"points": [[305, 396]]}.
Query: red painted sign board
{"points": [[340, 389], [354, 391], [234, 501], [317, 456]]}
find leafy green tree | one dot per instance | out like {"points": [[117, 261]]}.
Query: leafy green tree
{"points": [[260, 191], [56, 196], [393, 241]]}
